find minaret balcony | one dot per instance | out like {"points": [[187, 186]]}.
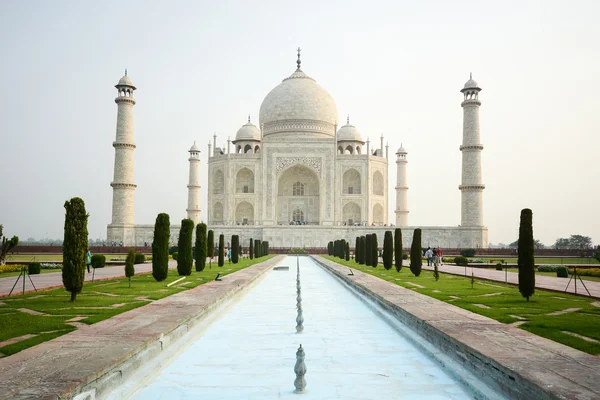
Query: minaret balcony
{"points": [[471, 147], [480, 186]]}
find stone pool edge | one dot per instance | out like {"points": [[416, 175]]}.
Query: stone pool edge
{"points": [[92, 361], [519, 364]]}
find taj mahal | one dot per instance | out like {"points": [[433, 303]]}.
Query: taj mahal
{"points": [[299, 178]]}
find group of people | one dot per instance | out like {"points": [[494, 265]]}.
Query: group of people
{"points": [[434, 256]]}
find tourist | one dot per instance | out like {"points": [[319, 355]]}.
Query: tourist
{"points": [[89, 260], [429, 255], [229, 255], [439, 256]]}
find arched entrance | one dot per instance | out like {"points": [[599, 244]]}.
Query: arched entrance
{"points": [[244, 214], [298, 196]]}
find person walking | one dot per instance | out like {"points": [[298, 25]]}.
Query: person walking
{"points": [[89, 260], [229, 255], [429, 255], [439, 256]]}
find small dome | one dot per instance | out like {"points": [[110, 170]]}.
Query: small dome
{"points": [[349, 132], [401, 150], [194, 148], [125, 81], [248, 132], [471, 84]]}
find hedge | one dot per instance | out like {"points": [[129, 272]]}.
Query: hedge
{"points": [[98, 261], [34, 268], [139, 258]]}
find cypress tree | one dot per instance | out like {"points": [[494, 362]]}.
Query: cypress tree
{"points": [[388, 250], [184, 244], [221, 254], [267, 248], [251, 249], [526, 260], [75, 246], [201, 247], [235, 248], [363, 250], [343, 249], [129, 268], [374, 248], [258, 252], [415, 253], [347, 251], [368, 249], [398, 248], [210, 244], [160, 247], [356, 248]]}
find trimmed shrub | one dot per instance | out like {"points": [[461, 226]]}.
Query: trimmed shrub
{"points": [[347, 251], [129, 268], [388, 250], [398, 254], [499, 267], [467, 252], [597, 255], [235, 248], [139, 258], [160, 247], [251, 249], [175, 255], [356, 248], [34, 268], [562, 272], [210, 244], [75, 246], [416, 262], [525, 250], [185, 257], [173, 249], [368, 250], [298, 251], [330, 248], [200, 247], [98, 261], [221, 254], [374, 250], [460, 260], [11, 268], [404, 256], [548, 268]]}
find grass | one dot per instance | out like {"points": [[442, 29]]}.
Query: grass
{"points": [[98, 301], [553, 274], [505, 304]]}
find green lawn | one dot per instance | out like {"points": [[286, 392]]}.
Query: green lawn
{"points": [[505, 304], [541, 260], [98, 301]]}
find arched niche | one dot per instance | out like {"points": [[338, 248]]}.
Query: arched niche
{"points": [[298, 189], [351, 213], [217, 213], [244, 213], [351, 182], [218, 182], [378, 214], [244, 181], [378, 183]]}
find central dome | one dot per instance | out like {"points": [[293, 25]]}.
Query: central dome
{"points": [[298, 104]]}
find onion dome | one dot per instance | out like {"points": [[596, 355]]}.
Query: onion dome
{"points": [[194, 148], [349, 132], [125, 81], [471, 84], [401, 150], [248, 132]]}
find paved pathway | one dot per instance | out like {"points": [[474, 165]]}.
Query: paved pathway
{"points": [[541, 281], [54, 279]]}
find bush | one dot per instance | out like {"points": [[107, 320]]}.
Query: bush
{"points": [[51, 266], [562, 272], [11, 268], [499, 267], [34, 268], [98, 261], [129, 262], [416, 263], [160, 247], [175, 255], [549, 268], [298, 251], [467, 252], [139, 258], [587, 271], [405, 256], [460, 260], [173, 249]]}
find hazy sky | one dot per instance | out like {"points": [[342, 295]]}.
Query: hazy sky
{"points": [[396, 67]]}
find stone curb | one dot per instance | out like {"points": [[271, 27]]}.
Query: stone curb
{"points": [[518, 363], [90, 362]]}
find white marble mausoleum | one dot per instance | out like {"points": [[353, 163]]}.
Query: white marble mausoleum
{"points": [[298, 178]]}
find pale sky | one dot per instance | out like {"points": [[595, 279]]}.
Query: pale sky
{"points": [[396, 67]]}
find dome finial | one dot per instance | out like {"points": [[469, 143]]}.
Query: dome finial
{"points": [[299, 62], [248, 118], [125, 71], [470, 75], [348, 119]]}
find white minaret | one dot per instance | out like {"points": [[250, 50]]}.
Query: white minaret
{"points": [[193, 209], [123, 204], [471, 186], [401, 188]]}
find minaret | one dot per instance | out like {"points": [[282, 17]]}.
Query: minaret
{"points": [[193, 209], [401, 188], [471, 186], [123, 204]]}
